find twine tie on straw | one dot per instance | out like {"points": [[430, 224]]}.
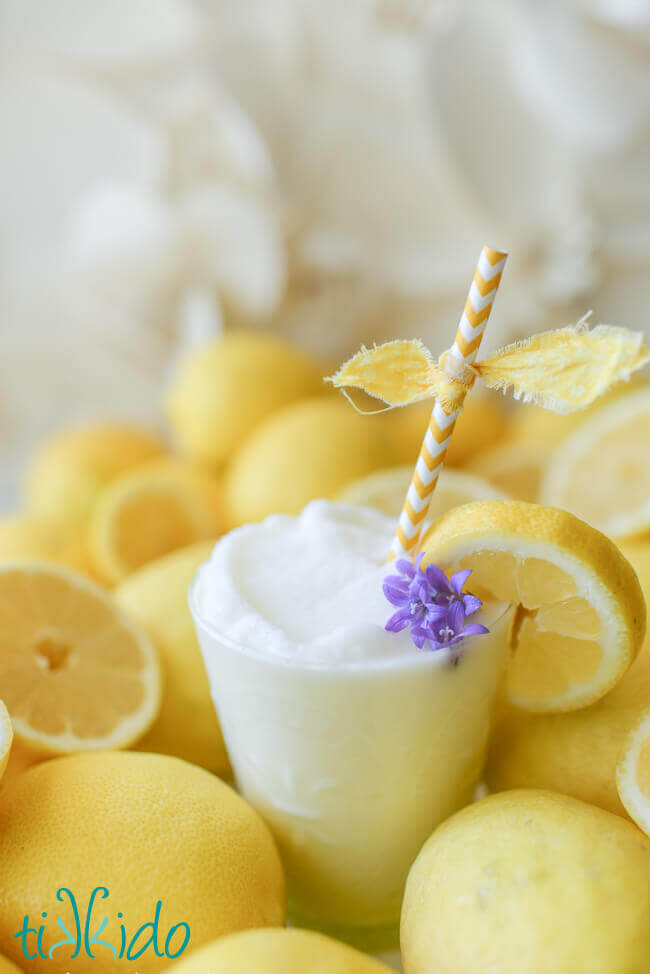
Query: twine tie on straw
{"points": [[563, 370]]}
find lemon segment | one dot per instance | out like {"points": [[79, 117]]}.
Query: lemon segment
{"points": [[580, 616], [386, 490], [601, 472], [75, 674], [150, 512]]}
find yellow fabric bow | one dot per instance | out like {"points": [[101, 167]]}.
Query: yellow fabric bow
{"points": [[562, 370]]}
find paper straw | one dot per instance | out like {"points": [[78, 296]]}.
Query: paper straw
{"points": [[471, 326]]}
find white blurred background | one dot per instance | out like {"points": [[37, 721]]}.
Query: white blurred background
{"points": [[169, 168]]}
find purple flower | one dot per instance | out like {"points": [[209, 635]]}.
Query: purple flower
{"points": [[433, 605]]}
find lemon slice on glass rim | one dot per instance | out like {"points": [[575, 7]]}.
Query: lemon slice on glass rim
{"points": [[579, 615], [75, 673]]}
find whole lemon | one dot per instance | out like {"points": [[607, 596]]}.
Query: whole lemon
{"points": [[6, 967], [156, 597], [529, 882], [35, 538], [148, 829], [307, 450], [68, 469], [577, 752], [482, 423], [224, 389], [278, 952]]}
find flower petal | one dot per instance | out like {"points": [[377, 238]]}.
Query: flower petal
{"points": [[458, 579], [418, 589], [435, 612], [437, 578], [396, 590], [475, 629], [405, 567], [419, 636], [398, 621], [456, 617], [472, 604]]}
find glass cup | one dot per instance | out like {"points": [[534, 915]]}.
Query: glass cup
{"points": [[354, 765]]}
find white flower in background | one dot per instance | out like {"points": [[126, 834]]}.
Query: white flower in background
{"points": [[138, 206], [406, 132], [403, 134]]}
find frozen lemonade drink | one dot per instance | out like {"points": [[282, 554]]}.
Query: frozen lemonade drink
{"points": [[351, 741]]}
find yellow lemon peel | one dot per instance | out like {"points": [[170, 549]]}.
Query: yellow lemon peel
{"points": [[562, 370]]}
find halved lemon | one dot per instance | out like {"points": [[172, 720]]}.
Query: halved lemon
{"points": [[633, 774], [515, 466], [386, 490], [579, 619], [601, 471], [149, 512], [75, 673], [6, 737]]}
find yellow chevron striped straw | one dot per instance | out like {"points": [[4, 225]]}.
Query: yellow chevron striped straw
{"points": [[471, 326]]}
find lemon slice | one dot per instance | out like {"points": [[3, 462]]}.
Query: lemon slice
{"points": [[386, 490], [75, 674], [515, 466], [633, 774], [149, 512], [68, 468], [601, 472], [580, 615], [6, 737]]}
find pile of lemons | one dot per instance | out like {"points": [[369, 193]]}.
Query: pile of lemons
{"points": [[110, 747]]}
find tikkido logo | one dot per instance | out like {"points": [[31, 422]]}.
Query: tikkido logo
{"points": [[146, 937]]}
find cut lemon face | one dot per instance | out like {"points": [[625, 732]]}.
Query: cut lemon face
{"points": [[75, 674], [149, 512], [6, 737], [386, 490], [601, 472], [579, 611], [515, 467], [633, 774]]}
